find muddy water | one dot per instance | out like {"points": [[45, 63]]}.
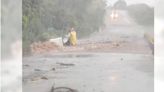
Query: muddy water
{"points": [[89, 72]]}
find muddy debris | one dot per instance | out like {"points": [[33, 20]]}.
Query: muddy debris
{"points": [[35, 79], [39, 78], [26, 65], [62, 89], [116, 44], [66, 64], [53, 69], [37, 69], [45, 78], [43, 47]]}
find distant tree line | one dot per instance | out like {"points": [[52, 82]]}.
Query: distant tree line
{"points": [[44, 19], [141, 13], [120, 4]]}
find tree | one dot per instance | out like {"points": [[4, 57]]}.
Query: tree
{"points": [[142, 14], [39, 16], [120, 4]]}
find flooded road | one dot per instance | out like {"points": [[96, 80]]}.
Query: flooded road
{"points": [[89, 72]]}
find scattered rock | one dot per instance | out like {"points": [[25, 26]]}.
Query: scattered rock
{"points": [[62, 89], [45, 78], [35, 79], [53, 69], [64, 64], [37, 69], [38, 78], [116, 44], [26, 65]]}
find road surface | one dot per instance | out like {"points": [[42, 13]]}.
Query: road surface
{"points": [[89, 72], [115, 59]]}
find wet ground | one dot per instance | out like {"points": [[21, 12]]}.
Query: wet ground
{"points": [[115, 59], [89, 72]]}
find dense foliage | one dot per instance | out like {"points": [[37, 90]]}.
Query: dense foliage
{"points": [[120, 4], [43, 19], [142, 13]]}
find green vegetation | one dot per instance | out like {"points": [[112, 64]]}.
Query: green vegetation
{"points": [[142, 13], [120, 4], [43, 19]]}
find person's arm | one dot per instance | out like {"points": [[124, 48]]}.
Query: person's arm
{"points": [[68, 35]]}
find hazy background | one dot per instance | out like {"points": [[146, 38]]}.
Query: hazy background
{"points": [[149, 2], [11, 15]]}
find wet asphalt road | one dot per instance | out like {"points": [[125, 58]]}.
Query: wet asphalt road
{"points": [[89, 72]]}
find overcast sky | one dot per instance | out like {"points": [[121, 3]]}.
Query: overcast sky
{"points": [[149, 2]]}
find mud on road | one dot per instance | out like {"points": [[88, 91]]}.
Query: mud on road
{"points": [[89, 72]]}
